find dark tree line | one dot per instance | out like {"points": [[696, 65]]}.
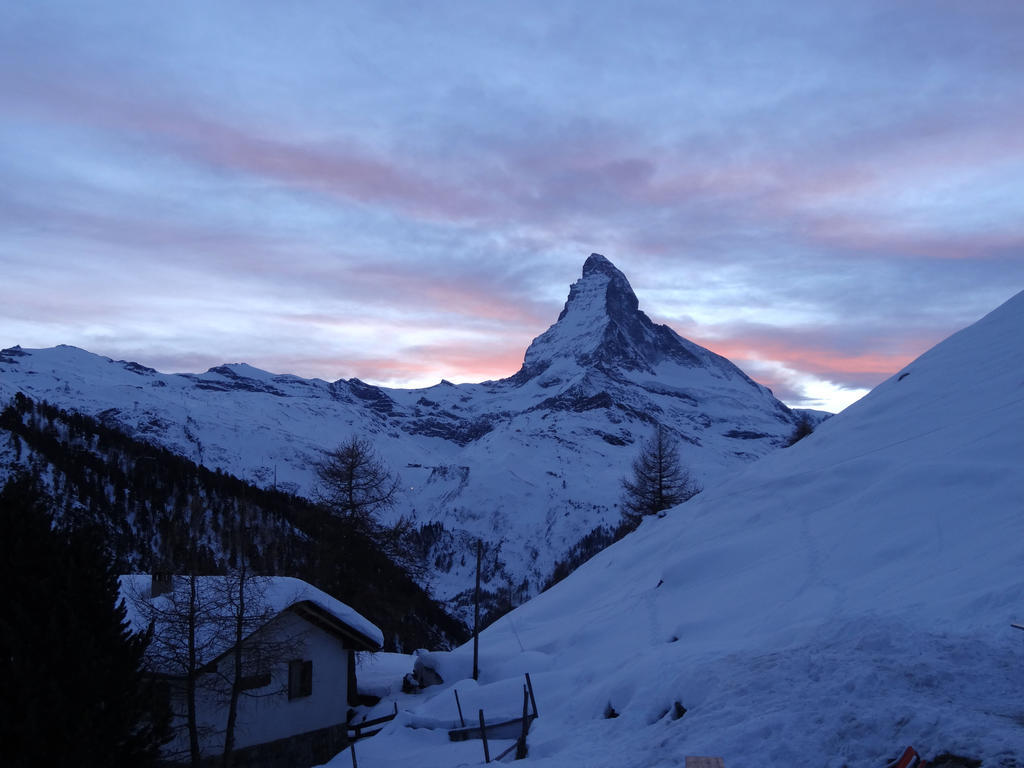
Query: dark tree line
{"points": [[70, 669], [154, 506], [161, 512]]}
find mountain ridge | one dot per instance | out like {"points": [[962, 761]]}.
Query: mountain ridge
{"points": [[529, 463]]}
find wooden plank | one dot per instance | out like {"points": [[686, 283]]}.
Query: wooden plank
{"points": [[506, 729], [459, 705], [376, 721], [507, 752], [366, 728], [704, 762], [483, 735], [521, 744], [533, 701]]}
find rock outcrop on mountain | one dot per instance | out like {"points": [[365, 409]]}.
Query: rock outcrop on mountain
{"points": [[602, 326], [530, 463]]}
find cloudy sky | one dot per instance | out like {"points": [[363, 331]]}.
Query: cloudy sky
{"points": [[403, 192]]}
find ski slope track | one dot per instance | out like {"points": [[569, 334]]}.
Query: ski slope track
{"points": [[829, 605], [530, 463]]}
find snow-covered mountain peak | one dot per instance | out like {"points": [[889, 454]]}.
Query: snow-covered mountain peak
{"points": [[582, 321], [531, 463], [602, 326]]}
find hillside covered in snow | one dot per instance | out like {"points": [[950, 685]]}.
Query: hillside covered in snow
{"points": [[828, 606], [531, 463]]}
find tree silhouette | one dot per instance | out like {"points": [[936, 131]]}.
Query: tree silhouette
{"points": [[804, 427], [357, 484], [74, 691], [659, 479]]}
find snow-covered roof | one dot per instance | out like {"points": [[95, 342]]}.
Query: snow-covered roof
{"points": [[276, 594]]}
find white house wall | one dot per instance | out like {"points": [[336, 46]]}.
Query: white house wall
{"points": [[268, 718], [263, 718]]}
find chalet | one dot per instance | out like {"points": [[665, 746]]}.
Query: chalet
{"points": [[298, 663]]}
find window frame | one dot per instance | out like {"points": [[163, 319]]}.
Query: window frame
{"points": [[300, 679]]}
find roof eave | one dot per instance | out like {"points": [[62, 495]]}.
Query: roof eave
{"points": [[320, 617]]}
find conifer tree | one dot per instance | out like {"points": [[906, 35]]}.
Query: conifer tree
{"points": [[357, 484], [70, 668], [659, 480]]}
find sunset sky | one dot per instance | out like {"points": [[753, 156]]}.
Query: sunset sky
{"points": [[403, 192]]}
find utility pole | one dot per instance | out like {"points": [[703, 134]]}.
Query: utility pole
{"points": [[476, 614]]}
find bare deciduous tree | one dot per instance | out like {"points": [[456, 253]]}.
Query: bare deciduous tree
{"points": [[257, 646], [216, 634], [186, 637]]}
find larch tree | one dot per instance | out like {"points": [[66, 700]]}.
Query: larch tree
{"points": [[357, 486], [356, 483], [257, 644], [211, 634], [659, 479]]}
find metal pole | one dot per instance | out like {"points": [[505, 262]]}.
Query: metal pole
{"points": [[476, 614]]}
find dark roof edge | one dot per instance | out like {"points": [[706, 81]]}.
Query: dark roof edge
{"points": [[321, 617]]}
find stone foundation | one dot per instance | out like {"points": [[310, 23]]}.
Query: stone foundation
{"points": [[305, 749]]}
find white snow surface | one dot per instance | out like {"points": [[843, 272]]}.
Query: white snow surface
{"points": [[833, 603]]}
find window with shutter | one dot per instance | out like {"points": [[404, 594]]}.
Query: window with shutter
{"points": [[300, 678]]}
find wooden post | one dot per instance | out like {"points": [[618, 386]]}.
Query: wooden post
{"points": [[483, 737], [521, 745], [532, 701], [457, 704], [476, 615], [352, 747]]}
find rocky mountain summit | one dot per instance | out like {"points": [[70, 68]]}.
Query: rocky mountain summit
{"points": [[530, 463], [602, 326]]}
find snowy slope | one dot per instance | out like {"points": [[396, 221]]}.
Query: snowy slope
{"points": [[530, 463], [833, 603]]}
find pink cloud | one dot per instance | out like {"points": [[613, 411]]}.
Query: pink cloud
{"points": [[820, 353], [863, 236], [427, 363], [490, 294], [341, 168]]}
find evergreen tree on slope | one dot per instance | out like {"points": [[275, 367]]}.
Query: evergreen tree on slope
{"points": [[659, 480], [70, 669]]}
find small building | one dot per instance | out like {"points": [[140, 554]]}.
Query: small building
{"points": [[298, 663]]}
